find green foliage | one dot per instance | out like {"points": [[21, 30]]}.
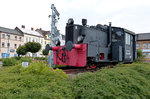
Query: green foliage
{"points": [[21, 50], [41, 58], [127, 82], [33, 47], [44, 52], [36, 81], [140, 56], [15, 60], [39, 81], [9, 61]]}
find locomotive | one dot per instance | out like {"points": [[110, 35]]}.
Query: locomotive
{"points": [[94, 45]]}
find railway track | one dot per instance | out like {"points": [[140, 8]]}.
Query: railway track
{"points": [[75, 70]]}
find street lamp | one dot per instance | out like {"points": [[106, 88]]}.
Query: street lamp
{"points": [[7, 55]]}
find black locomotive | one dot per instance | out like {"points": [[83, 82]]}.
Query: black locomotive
{"points": [[95, 45]]}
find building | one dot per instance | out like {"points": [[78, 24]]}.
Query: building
{"points": [[143, 43], [30, 35], [10, 40], [46, 35]]}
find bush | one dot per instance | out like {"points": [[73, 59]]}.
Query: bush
{"points": [[21, 50], [25, 59], [41, 58], [15, 60], [44, 52], [9, 61], [140, 56]]}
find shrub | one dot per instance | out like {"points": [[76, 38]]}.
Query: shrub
{"points": [[140, 56], [25, 59], [41, 58], [21, 50], [9, 61], [44, 52]]}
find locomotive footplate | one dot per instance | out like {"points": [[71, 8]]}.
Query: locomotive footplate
{"points": [[75, 57]]}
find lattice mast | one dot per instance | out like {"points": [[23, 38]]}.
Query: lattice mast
{"points": [[54, 32]]}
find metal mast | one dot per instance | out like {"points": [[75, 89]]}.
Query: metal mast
{"points": [[54, 32]]}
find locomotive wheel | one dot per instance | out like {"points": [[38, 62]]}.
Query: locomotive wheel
{"points": [[93, 66]]}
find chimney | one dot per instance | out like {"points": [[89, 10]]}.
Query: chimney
{"points": [[23, 26], [40, 28], [32, 28]]}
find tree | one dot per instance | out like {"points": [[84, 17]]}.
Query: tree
{"points": [[21, 50], [33, 47], [44, 52]]}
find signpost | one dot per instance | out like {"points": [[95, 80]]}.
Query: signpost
{"points": [[54, 32]]}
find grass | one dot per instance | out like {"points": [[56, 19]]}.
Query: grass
{"points": [[129, 81], [125, 81]]}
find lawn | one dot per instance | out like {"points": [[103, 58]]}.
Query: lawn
{"points": [[125, 81]]}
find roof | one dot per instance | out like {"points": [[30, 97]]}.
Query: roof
{"points": [[30, 32], [126, 30], [143, 36], [7, 30], [43, 32]]}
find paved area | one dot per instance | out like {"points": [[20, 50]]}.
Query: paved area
{"points": [[1, 63]]}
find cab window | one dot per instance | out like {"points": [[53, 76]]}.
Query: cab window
{"points": [[127, 38], [116, 34]]}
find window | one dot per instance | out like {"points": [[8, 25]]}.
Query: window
{"points": [[15, 37], [116, 34], [127, 38], [149, 45], [3, 44], [137, 46], [36, 39], [33, 40], [3, 36], [15, 46], [20, 38], [45, 42], [26, 39], [19, 44], [29, 39], [144, 46]]}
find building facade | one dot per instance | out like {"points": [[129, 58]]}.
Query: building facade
{"points": [[30, 35], [143, 43], [10, 40], [46, 35]]}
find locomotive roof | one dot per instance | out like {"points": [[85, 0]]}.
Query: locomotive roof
{"points": [[126, 30], [129, 31]]}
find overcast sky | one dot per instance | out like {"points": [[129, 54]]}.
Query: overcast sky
{"points": [[130, 14]]}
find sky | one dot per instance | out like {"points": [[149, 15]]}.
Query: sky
{"points": [[130, 14]]}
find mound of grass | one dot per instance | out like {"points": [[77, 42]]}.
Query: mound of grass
{"points": [[125, 82], [38, 80]]}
